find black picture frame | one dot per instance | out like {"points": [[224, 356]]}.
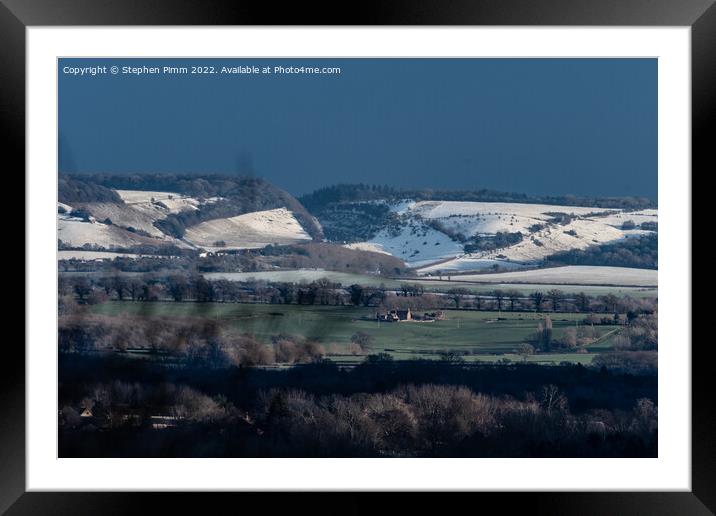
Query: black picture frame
{"points": [[17, 15]]}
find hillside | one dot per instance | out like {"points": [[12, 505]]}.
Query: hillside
{"points": [[121, 212], [249, 231], [221, 197], [108, 225], [435, 236]]}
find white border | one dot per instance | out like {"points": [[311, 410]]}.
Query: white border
{"points": [[671, 471]]}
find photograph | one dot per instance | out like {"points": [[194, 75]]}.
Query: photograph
{"points": [[409, 247], [357, 257]]}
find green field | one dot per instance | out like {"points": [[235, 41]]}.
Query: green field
{"points": [[485, 335]]}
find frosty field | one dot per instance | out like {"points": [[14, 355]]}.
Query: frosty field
{"points": [[571, 280], [571, 275]]}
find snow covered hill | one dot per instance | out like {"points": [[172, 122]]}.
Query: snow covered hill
{"points": [[93, 224], [118, 225], [414, 243], [432, 235], [249, 231], [112, 225]]}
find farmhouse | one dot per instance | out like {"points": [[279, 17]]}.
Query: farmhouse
{"points": [[395, 315], [408, 316]]}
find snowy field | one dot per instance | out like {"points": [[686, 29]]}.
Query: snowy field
{"points": [[249, 231], [571, 275], [142, 196], [637, 217]]}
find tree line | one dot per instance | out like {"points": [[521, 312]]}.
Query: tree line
{"points": [[319, 199], [94, 289], [641, 252], [380, 408]]}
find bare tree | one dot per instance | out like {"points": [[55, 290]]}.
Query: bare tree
{"points": [[362, 340], [525, 350], [457, 294], [82, 288], [513, 296], [478, 303], [552, 400], [542, 338], [555, 296], [106, 284], [120, 286], [610, 302], [135, 288], [499, 296], [537, 298], [582, 300]]}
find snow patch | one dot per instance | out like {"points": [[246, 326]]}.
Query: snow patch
{"points": [[572, 275], [77, 233], [249, 231], [414, 243]]}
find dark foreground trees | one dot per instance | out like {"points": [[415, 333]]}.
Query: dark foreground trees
{"points": [[380, 408]]}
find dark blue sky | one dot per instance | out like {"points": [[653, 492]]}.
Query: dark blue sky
{"points": [[539, 126]]}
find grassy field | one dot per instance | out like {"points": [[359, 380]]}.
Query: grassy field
{"points": [[484, 335]]}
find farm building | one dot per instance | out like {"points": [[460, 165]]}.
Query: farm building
{"points": [[408, 316], [395, 315]]}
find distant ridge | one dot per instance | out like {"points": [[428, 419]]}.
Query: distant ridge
{"points": [[341, 193]]}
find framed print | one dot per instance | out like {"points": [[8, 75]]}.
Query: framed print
{"points": [[422, 252]]}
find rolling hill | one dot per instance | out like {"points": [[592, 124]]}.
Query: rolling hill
{"points": [[249, 231], [434, 236], [102, 212]]}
